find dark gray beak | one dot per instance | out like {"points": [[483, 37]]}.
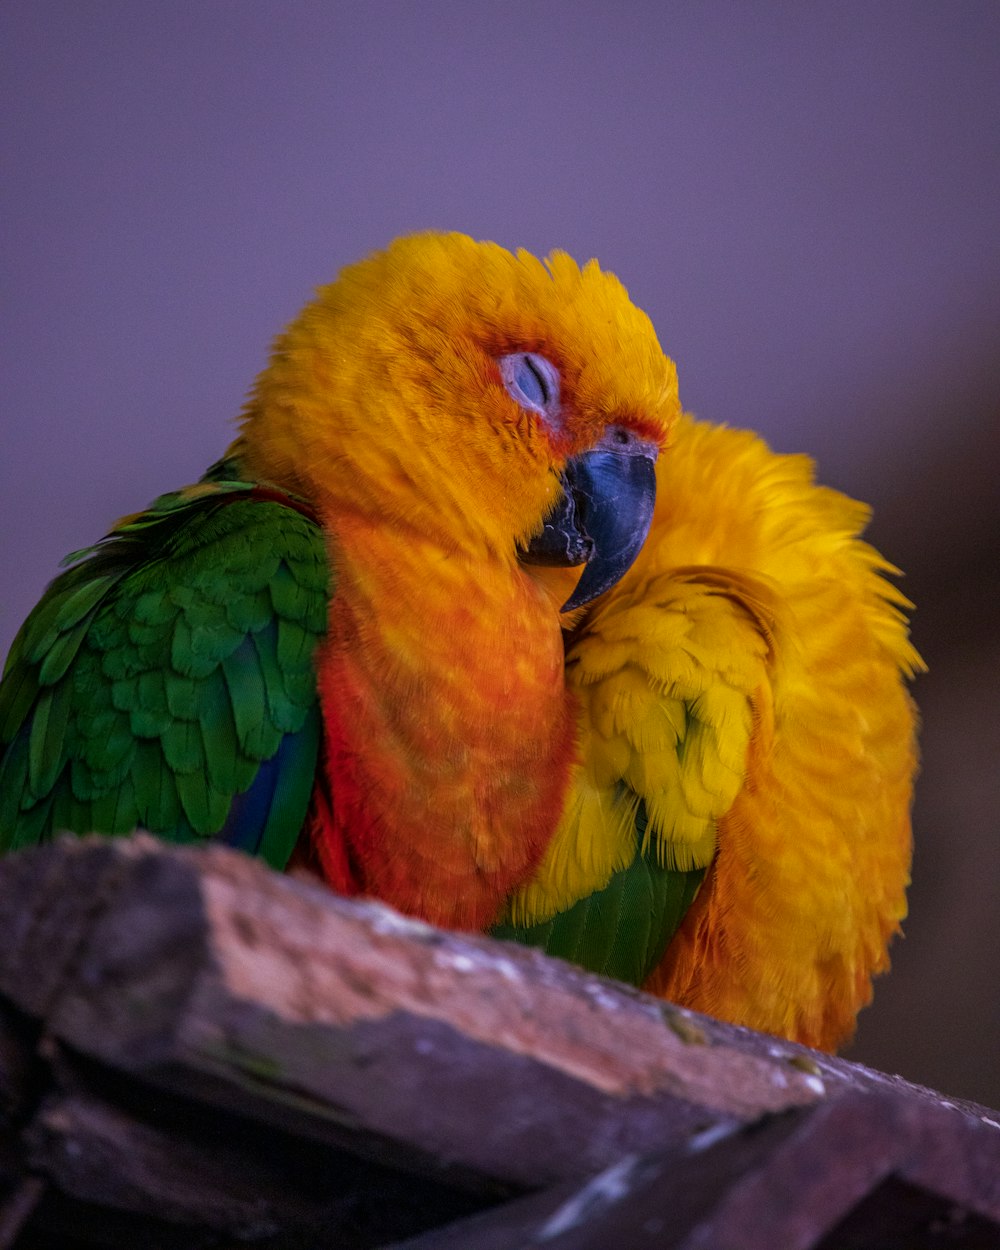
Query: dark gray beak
{"points": [[603, 516]]}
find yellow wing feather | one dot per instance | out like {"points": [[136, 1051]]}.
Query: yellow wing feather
{"points": [[745, 681]]}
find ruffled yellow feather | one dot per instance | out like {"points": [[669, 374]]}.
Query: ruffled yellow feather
{"points": [[744, 681]]}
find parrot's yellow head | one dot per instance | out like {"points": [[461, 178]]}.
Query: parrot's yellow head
{"points": [[454, 387]]}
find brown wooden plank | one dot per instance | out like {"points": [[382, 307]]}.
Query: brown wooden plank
{"points": [[203, 972], [863, 1171], [193, 1007]]}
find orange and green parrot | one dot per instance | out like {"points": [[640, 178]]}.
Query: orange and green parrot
{"points": [[473, 619]]}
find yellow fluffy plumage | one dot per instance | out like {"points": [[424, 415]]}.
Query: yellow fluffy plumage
{"points": [[744, 679]]}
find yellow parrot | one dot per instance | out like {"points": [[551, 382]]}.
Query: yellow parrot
{"points": [[472, 618]]}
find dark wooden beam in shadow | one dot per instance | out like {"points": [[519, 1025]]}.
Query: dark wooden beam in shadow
{"points": [[195, 1047]]}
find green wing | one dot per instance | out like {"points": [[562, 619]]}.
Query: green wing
{"points": [[622, 930], [166, 681]]}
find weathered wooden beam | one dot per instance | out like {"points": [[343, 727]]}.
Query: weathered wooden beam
{"points": [[104, 1141], [198, 1042], [864, 1171], [204, 973]]}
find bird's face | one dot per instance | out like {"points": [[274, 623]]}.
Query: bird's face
{"points": [[492, 401]]}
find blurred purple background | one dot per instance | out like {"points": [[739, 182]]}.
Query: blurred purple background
{"points": [[805, 198]]}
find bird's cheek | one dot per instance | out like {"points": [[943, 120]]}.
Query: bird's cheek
{"points": [[556, 584]]}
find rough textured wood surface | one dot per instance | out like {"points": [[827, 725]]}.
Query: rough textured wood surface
{"points": [[190, 1040], [793, 1181]]}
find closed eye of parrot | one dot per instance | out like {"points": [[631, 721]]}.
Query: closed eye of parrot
{"points": [[473, 619]]}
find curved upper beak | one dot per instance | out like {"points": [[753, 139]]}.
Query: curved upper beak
{"points": [[602, 518]]}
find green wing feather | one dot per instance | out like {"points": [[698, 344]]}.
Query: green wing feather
{"points": [[166, 681], [622, 930]]}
